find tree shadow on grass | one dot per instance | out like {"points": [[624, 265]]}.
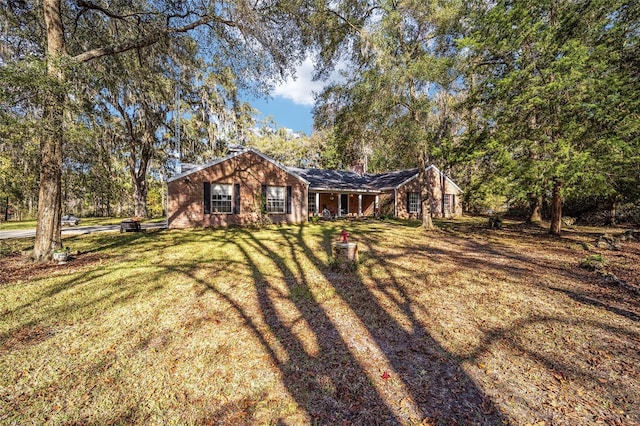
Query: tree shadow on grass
{"points": [[342, 356], [596, 301], [556, 353], [316, 365], [432, 377]]}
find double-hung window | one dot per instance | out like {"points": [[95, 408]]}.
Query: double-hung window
{"points": [[311, 202], [413, 202], [221, 198], [276, 199]]}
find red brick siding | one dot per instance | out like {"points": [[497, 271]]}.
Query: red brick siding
{"points": [[436, 204], [436, 196], [251, 171], [326, 201], [368, 205], [412, 186], [386, 202]]}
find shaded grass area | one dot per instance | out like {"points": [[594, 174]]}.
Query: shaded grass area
{"points": [[15, 246], [84, 221], [235, 326]]}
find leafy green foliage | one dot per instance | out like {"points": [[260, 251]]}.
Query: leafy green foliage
{"points": [[397, 102], [543, 79]]}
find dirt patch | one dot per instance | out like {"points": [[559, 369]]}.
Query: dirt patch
{"points": [[16, 267], [28, 335]]}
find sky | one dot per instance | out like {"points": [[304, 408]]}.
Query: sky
{"points": [[291, 102]]}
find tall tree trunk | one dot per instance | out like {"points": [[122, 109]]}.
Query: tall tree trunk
{"points": [[48, 235], [535, 207], [139, 173], [613, 204], [6, 210], [425, 194], [140, 196], [556, 208]]}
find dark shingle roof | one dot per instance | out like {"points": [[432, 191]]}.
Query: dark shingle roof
{"points": [[342, 180], [329, 180], [391, 179]]}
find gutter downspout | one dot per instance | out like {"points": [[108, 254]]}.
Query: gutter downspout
{"points": [[306, 217]]}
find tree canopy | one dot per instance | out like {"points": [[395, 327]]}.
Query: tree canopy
{"points": [[526, 102], [531, 101], [76, 38]]}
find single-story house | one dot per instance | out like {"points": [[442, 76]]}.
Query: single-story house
{"points": [[238, 188]]}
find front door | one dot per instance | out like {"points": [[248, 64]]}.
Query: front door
{"points": [[344, 204]]}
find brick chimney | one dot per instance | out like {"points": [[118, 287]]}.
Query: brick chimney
{"points": [[359, 167]]}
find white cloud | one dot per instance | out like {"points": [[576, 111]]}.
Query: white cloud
{"points": [[300, 89]]}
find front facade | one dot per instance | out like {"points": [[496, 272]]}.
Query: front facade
{"points": [[445, 197], [239, 188], [236, 190]]}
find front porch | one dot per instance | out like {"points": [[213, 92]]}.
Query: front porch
{"points": [[343, 203]]}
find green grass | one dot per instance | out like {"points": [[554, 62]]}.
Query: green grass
{"points": [[84, 221], [255, 327], [15, 245]]}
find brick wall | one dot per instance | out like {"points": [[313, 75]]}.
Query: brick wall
{"points": [[250, 171], [436, 198]]}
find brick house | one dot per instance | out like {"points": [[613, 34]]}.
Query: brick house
{"points": [[235, 189]]}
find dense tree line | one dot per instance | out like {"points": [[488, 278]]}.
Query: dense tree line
{"points": [[75, 65], [523, 102]]}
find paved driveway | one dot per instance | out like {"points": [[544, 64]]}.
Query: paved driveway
{"points": [[75, 230]]}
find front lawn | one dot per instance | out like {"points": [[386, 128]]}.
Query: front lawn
{"points": [[235, 326], [84, 221]]}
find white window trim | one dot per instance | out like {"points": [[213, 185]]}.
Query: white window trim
{"points": [[311, 201], [448, 204], [284, 199], [417, 204], [229, 193]]}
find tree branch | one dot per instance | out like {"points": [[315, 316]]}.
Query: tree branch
{"points": [[150, 40], [89, 5]]}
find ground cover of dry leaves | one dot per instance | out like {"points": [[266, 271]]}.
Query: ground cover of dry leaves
{"points": [[463, 325]]}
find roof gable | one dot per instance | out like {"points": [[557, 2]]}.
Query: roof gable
{"points": [[233, 155], [438, 171]]}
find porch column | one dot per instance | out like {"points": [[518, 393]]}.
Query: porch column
{"points": [[317, 203], [359, 205], [339, 212], [376, 206]]}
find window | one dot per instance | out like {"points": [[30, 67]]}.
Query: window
{"points": [[413, 202], [312, 203], [275, 199], [221, 198], [448, 203]]}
